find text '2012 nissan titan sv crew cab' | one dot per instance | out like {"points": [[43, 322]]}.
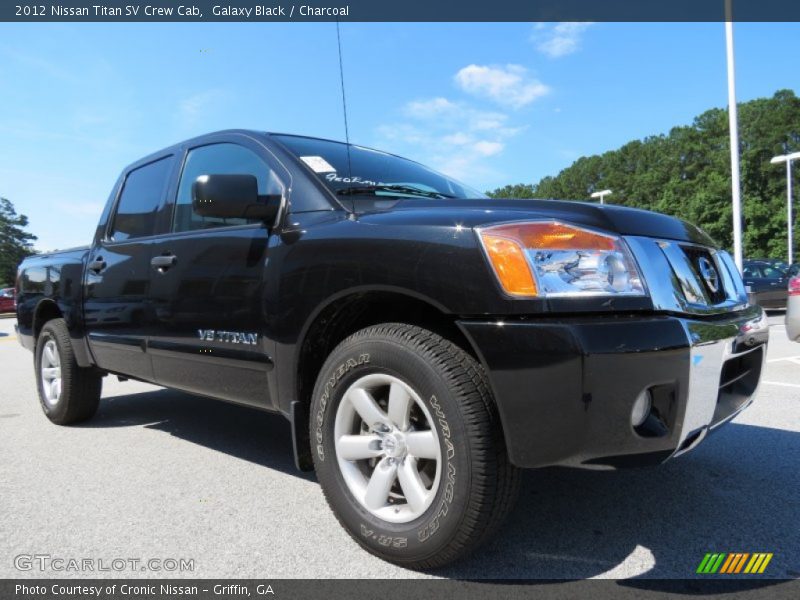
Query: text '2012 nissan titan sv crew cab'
{"points": [[424, 341]]}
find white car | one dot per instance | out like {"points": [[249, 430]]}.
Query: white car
{"points": [[793, 309]]}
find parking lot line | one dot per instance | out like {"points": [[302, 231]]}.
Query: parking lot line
{"points": [[13, 338], [792, 385], [794, 359]]}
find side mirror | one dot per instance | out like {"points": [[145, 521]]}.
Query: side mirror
{"points": [[233, 197]]}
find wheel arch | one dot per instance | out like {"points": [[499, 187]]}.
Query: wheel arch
{"points": [[46, 310], [344, 314]]}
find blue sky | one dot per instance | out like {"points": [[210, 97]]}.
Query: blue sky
{"points": [[487, 103]]}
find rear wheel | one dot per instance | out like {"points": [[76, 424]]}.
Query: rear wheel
{"points": [[408, 446], [68, 393]]}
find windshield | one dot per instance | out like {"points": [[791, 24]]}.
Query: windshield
{"points": [[371, 172]]}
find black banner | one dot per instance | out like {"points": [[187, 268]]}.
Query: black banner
{"points": [[300, 589], [401, 10]]}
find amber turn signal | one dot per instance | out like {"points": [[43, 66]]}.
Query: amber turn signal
{"points": [[510, 265]]}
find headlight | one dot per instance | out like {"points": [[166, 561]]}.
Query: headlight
{"points": [[548, 258]]}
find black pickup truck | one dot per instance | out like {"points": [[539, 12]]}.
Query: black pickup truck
{"points": [[424, 341]]}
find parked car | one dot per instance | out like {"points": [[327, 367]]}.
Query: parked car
{"points": [[792, 270], [7, 303], [425, 342], [793, 310], [767, 284], [773, 262]]}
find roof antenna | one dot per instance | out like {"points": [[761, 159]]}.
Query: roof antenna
{"points": [[344, 109]]}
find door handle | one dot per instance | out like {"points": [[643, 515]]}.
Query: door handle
{"points": [[162, 263], [97, 265]]}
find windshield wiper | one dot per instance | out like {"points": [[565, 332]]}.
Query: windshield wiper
{"points": [[400, 189]]}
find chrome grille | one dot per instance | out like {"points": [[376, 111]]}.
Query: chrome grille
{"points": [[707, 272], [689, 278]]}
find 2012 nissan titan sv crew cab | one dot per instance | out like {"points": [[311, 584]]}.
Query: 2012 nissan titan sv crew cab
{"points": [[424, 341]]}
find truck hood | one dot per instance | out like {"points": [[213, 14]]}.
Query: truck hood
{"points": [[485, 211]]}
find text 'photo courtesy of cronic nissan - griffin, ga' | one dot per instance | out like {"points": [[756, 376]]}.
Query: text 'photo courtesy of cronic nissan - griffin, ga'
{"points": [[425, 342]]}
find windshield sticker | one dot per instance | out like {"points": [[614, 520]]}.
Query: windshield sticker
{"points": [[318, 164], [333, 177]]}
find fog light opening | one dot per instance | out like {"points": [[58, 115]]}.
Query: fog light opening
{"points": [[641, 408]]}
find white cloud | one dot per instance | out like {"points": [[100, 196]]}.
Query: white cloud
{"points": [[435, 107], [488, 148], [458, 139], [470, 143], [457, 136], [488, 121], [443, 112], [509, 86], [464, 167], [560, 39], [453, 137]]}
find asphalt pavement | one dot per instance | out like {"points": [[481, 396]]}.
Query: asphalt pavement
{"points": [[163, 475]]}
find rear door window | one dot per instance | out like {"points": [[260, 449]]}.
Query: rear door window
{"points": [[140, 200]]}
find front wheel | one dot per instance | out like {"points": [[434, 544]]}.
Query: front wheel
{"points": [[68, 393], [408, 446]]}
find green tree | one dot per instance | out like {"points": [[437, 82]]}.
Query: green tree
{"points": [[15, 242], [686, 173], [520, 190]]}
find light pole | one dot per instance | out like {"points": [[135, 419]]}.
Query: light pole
{"points": [[601, 194], [733, 122], [788, 158]]}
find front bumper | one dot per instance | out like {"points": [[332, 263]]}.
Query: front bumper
{"points": [[565, 387]]}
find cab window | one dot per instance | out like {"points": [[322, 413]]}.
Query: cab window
{"points": [[219, 159]]}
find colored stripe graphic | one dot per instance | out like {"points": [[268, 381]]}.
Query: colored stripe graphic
{"points": [[754, 562], [703, 563], [711, 562], [764, 564], [734, 563], [741, 562], [730, 563]]}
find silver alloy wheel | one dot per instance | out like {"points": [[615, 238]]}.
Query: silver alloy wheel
{"points": [[387, 448], [50, 371]]}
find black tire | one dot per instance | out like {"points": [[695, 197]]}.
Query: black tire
{"points": [[80, 387], [481, 484]]}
